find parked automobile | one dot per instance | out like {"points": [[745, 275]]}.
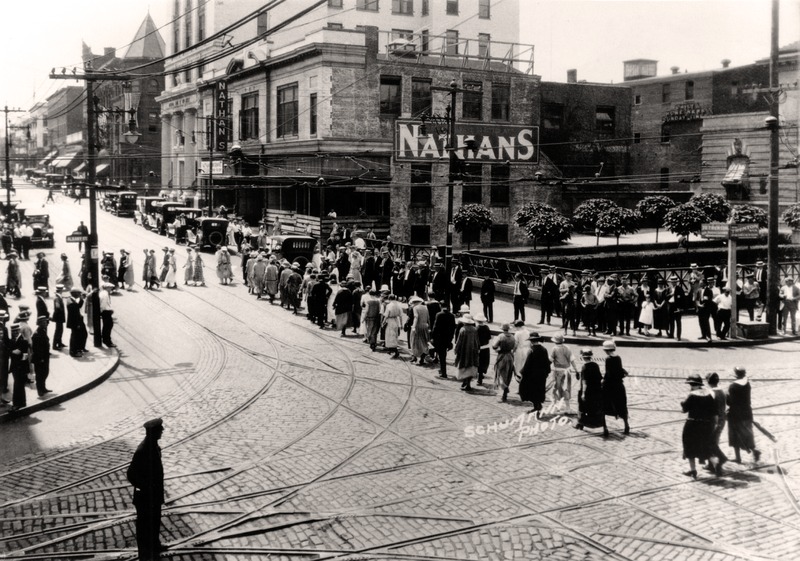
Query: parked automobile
{"points": [[144, 209], [126, 203], [109, 202], [43, 233], [211, 231], [298, 249], [163, 214], [184, 228]]}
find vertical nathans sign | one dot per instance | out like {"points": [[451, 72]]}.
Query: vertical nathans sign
{"points": [[222, 117], [488, 142]]}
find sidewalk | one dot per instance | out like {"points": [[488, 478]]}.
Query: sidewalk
{"points": [[690, 337], [68, 378]]}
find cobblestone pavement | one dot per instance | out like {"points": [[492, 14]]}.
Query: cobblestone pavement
{"points": [[288, 442]]}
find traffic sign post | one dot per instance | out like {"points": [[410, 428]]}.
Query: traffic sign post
{"points": [[732, 233]]}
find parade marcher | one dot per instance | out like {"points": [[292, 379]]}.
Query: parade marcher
{"points": [[532, 376], [355, 315], [393, 322], [720, 399], [108, 268], [368, 270], [197, 269], [562, 360], [487, 298], [13, 276], [550, 296], [283, 278], [439, 283], [676, 300], [444, 327], [271, 275], [149, 277], [698, 431], [467, 352], [318, 299], [146, 474], [422, 278], [330, 315], [590, 394], [371, 314], [523, 344], [75, 323], [615, 398], [188, 272], [224, 272], [520, 297], [19, 366], [343, 308], [40, 355], [59, 317], [356, 262], [504, 344], [419, 334], [106, 313], [740, 417], [41, 271], [484, 340], [170, 280], [258, 271], [293, 287]]}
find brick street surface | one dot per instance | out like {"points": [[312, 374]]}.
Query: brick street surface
{"points": [[284, 441]]}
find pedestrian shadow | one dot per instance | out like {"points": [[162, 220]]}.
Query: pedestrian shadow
{"points": [[150, 373]]}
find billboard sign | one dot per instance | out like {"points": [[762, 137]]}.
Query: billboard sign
{"points": [[490, 142]]}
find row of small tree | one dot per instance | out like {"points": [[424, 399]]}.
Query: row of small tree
{"points": [[603, 217]]}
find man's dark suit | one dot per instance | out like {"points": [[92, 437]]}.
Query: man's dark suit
{"points": [[520, 299], [77, 327], [444, 327]]}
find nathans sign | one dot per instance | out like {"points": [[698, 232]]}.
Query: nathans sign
{"points": [[480, 142]]}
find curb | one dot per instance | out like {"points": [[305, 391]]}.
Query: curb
{"points": [[61, 398]]}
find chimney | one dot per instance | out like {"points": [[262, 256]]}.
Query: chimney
{"points": [[726, 62], [674, 69], [110, 52], [572, 76]]}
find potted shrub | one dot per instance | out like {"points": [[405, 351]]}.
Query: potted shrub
{"points": [[792, 219]]}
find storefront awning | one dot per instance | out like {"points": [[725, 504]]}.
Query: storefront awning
{"points": [[67, 161], [80, 168], [735, 173], [102, 169], [47, 159]]}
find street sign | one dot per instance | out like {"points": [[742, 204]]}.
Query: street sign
{"points": [[77, 238], [716, 230], [744, 231]]}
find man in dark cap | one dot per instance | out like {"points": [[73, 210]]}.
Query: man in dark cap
{"points": [[41, 304], [20, 369], [146, 474], [444, 327], [76, 323], [59, 317], [40, 355]]}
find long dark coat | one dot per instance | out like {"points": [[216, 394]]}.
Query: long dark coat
{"points": [[615, 399], [533, 385]]}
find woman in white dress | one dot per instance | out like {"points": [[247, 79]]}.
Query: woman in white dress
{"points": [[172, 269], [522, 337], [334, 290]]}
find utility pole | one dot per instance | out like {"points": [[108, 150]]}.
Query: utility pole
{"points": [[773, 267], [91, 255], [6, 110]]}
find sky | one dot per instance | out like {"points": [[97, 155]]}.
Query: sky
{"points": [[592, 36]]}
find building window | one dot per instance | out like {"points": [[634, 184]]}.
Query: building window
{"points": [[334, 3], [451, 41], [404, 7], [484, 9], [605, 123], [689, 89], [665, 134], [734, 88], [187, 76], [425, 7], [483, 44], [187, 24], [472, 191], [637, 138], [402, 35], [312, 114], [552, 116], [637, 99], [420, 185], [420, 234], [421, 98], [175, 80], [664, 93], [499, 234], [287, 111], [425, 40], [472, 101], [370, 5], [261, 24], [452, 7], [248, 117], [201, 21], [664, 178], [390, 96], [501, 102], [201, 70], [499, 195]]}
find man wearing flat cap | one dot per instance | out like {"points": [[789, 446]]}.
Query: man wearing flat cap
{"points": [[40, 355], [41, 304], [146, 474], [76, 323]]}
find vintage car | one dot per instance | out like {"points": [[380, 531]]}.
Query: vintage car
{"points": [[210, 232], [184, 228], [163, 214], [295, 249], [43, 234], [109, 202], [126, 203], [144, 209]]}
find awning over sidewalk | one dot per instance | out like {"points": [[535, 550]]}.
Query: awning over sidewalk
{"points": [[47, 159], [102, 169], [68, 159]]}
